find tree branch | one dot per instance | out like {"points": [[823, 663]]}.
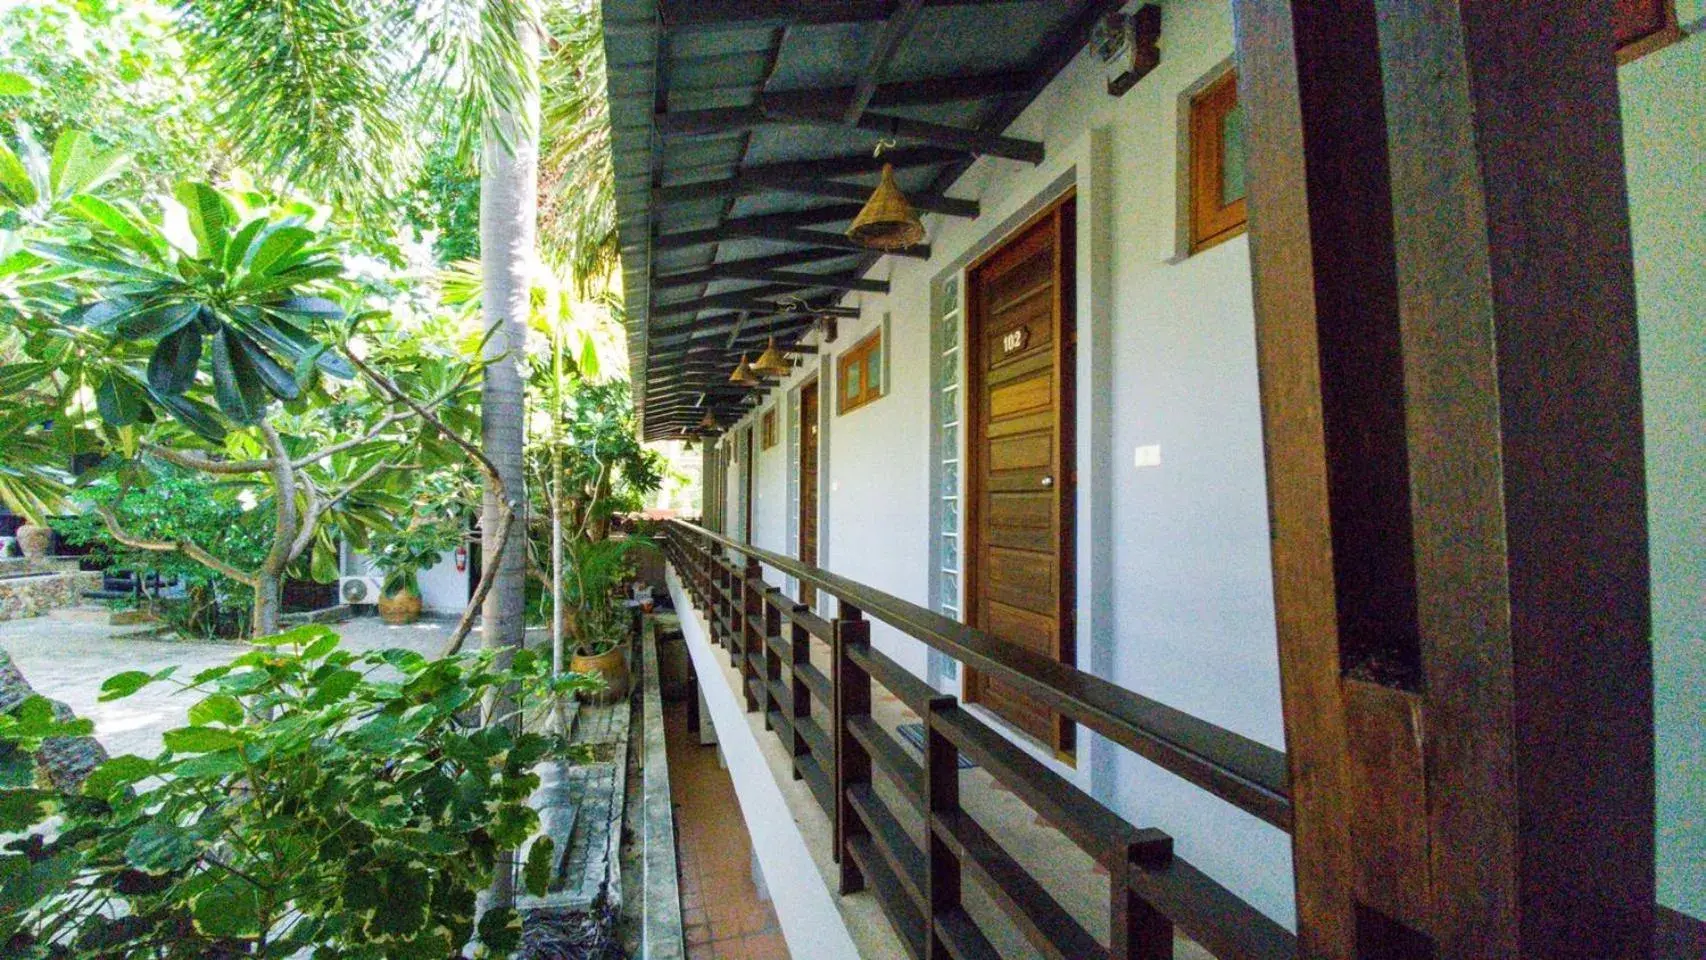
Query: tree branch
{"points": [[284, 493], [340, 447], [379, 428], [186, 547], [317, 506], [507, 507], [195, 461]]}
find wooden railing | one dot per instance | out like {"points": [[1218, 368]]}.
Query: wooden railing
{"points": [[1152, 890]]}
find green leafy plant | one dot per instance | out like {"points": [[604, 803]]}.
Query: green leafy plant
{"points": [[239, 303], [207, 349], [595, 572], [403, 552], [319, 799], [173, 504]]}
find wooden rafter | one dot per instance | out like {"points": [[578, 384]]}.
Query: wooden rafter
{"points": [[741, 226], [817, 187], [843, 166], [691, 15], [727, 120], [717, 273], [895, 29]]}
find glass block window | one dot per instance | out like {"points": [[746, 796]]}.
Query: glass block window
{"points": [[946, 412]]}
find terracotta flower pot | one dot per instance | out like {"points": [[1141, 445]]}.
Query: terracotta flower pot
{"points": [[612, 665], [400, 607], [35, 541]]}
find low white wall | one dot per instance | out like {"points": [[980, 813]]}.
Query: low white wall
{"points": [[811, 922]]}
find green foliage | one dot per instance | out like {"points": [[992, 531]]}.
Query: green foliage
{"points": [[320, 799], [403, 550], [595, 572], [445, 205], [577, 202], [169, 503], [331, 94], [114, 69], [302, 87], [234, 299]]}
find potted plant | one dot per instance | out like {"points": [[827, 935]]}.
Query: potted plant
{"points": [[35, 540], [596, 616], [401, 555]]}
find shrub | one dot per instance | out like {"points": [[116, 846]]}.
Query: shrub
{"points": [[319, 799]]}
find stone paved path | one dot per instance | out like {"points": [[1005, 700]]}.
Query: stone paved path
{"points": [[67, 661]]}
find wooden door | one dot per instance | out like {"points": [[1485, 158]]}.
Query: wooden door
{"points": [[808, 485], [1019, 550]]}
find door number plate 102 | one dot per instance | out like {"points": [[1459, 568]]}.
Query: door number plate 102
{"points": [[1014, 340]]}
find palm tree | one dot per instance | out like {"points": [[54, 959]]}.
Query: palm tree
{"points": [[313, 89]]}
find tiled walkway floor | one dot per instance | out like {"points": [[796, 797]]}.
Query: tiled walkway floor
{"points": [[722, 915]]}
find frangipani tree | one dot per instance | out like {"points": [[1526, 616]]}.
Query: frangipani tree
{"points": [[222, 347]]}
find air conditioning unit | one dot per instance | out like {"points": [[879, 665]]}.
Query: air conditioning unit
{"points": [[358, 589]]}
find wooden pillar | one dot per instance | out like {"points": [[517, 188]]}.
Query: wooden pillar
{"points": [[852, 763], [749, 644], [772, 660], [1137, 930], [799, 652], [941, 799], [1450, 384]]}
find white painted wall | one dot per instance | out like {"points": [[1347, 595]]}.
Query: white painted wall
{"points": [[444, 589], [1664, 131], [1184, 610]]}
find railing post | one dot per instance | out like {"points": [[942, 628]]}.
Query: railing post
{"points": [[799, 651], [728, 594], [751, 605], [1136, 930], [852, 763], [942, 797], [772, 661]]}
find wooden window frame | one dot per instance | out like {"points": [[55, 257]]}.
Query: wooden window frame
{"points": [[1212, 222], [860, 353], [1662, 31], [767, 431]]}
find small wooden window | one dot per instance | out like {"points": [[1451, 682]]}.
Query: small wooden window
{"points": [[1217, 164], [859, 373], [1642, 26], [768, 431]]}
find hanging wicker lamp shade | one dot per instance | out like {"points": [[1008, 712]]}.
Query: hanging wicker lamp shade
{"points": [[771, 361], [888, 221], [707, 422], [743, 374]]}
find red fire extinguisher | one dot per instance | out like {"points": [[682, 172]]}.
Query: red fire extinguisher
{"points": [[462, 558]]}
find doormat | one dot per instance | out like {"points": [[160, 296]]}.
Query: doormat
{"points": [[913, 733]]}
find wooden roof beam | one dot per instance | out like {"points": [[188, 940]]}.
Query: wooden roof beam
{"points": [[699, 15], [895, 29], [716, 273], [692, 123], [734, 300], [833, 213], [801, 237], [905, 93], [749, 183], [844, 166]]}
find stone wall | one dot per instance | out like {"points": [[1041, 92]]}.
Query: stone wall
{"points": [[31, 587]]}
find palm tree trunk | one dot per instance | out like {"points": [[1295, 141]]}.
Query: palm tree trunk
{"points": [[509, 209]]}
